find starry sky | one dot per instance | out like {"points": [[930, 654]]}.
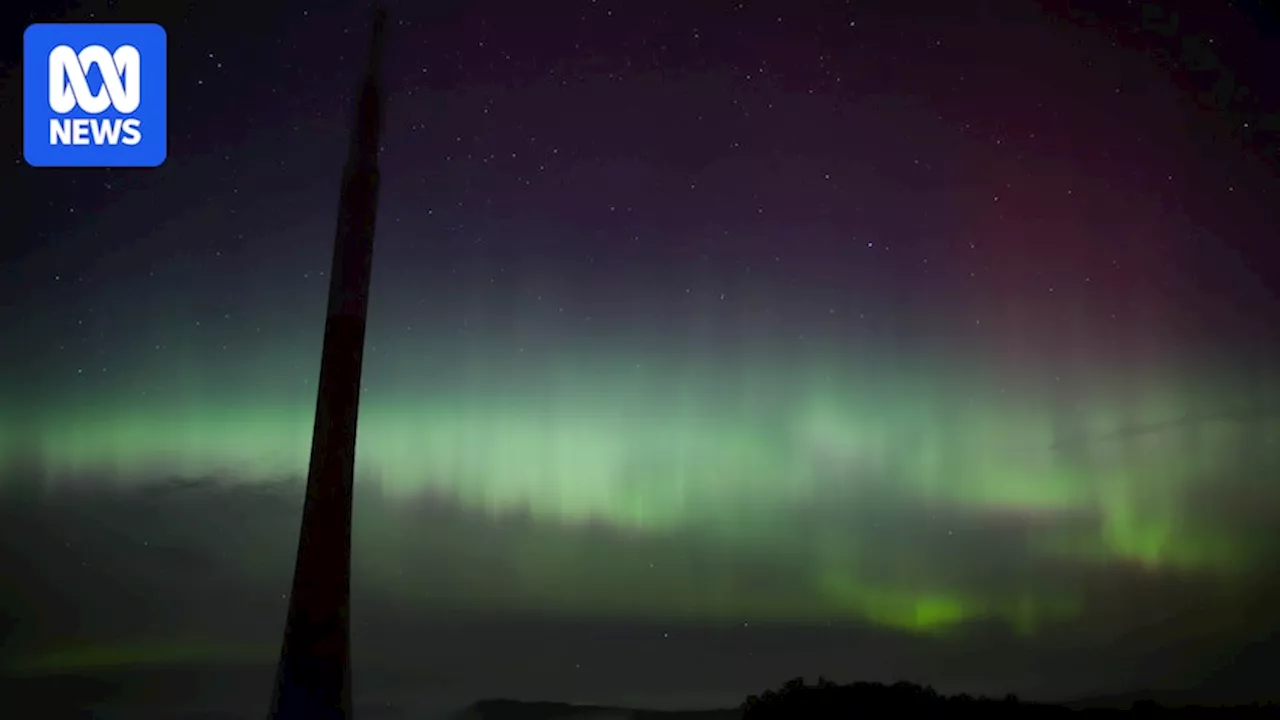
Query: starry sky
{"points": [[737, 340]]}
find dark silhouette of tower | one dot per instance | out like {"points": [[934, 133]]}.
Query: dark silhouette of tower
{"points": [[313, 679]]}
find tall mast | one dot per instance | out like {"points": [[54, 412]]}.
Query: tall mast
{"points": [[313, 679]]}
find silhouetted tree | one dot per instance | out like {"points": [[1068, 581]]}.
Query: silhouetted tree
{"points": [[826, 699]]}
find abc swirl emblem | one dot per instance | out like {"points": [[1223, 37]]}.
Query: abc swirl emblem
{"points": [[94, 95]]}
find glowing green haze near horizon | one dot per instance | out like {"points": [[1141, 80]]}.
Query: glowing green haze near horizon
{"points": [[793, 461]]}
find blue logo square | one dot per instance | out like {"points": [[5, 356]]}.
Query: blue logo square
{"points": [[94, 95]]}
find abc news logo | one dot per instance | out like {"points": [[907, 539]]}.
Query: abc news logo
{"points": [[69, 89], [94, 95]]}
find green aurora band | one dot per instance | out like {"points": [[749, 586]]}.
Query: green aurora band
{"points": [[787, 464]]}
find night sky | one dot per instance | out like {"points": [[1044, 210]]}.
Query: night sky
{"points": [[710, 344]]}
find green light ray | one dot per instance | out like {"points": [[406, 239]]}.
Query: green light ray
{"points": [[729, 456]]}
